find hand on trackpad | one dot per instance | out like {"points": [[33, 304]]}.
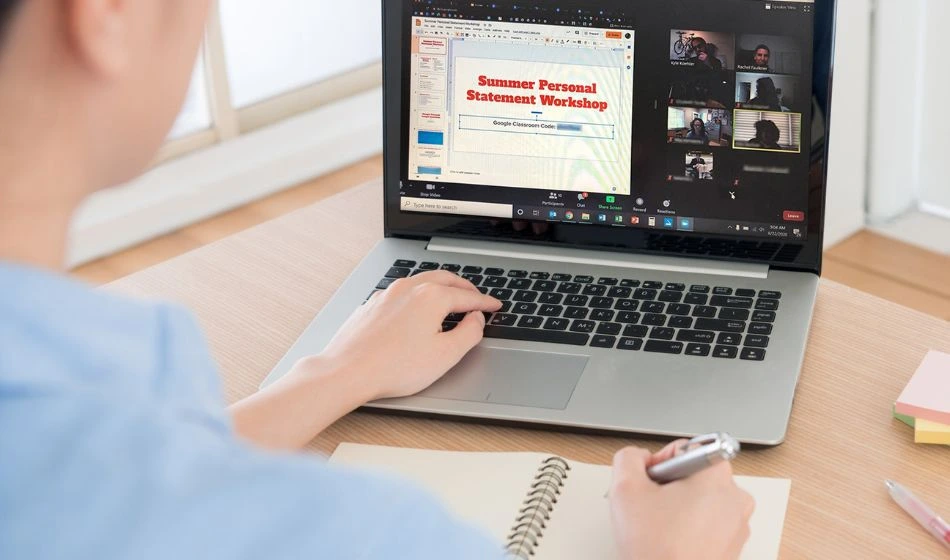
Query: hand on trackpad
{"points": [[513, 377]]}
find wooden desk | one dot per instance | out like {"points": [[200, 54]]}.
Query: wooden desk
{"points": [[255, 292]]}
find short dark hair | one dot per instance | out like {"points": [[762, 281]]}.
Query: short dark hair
{"points": [[763, 47], [7, 9]]}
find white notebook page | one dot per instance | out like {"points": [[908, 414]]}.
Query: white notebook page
{"points": [[488, 489]]}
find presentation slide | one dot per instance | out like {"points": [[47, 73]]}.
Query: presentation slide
{"points": [[567, 126]]}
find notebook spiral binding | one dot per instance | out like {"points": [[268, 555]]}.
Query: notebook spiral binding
{"points": [[536, 510]]}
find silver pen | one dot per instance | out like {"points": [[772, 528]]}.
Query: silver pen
{"points": [[695, 455]]}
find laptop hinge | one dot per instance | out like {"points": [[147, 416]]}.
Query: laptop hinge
{"points": [[596, 258]]}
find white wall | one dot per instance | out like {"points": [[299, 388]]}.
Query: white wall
{"points": [[847, 172], [935, 140]]}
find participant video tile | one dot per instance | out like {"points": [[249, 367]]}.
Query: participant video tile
{"points": [[768, 131], [769, 54], [707, 89], [702, 50], [699, 126], [768, 92]]}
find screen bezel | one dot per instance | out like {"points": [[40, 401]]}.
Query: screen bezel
{"points": [[808, 253]]}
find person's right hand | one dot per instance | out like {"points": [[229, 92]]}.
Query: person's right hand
{"points": [[704, 516]]}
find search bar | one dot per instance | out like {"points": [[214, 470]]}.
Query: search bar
{"points": [[462, 207]]}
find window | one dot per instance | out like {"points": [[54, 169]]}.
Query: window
{"points": [[195, 114]]}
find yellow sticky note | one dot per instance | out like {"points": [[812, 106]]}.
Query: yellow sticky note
{"points": [[931, 432]]}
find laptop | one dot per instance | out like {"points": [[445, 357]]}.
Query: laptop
{"points": [[641, 183]]}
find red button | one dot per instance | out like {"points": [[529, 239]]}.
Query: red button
{"points": [[793, 216]]}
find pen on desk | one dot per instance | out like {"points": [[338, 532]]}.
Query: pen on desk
{"points": [[919, 511], [695, 455]]}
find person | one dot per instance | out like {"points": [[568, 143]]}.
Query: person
{"points": [[766, 95], [761, 56], [705, 55], [697, 131], [117, 443], [697, 168], [767, 136]]}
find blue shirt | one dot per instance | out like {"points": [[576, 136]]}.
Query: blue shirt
{"points": [[115, 443]]}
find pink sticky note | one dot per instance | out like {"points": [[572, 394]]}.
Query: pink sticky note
{"points": [[927, 395]]}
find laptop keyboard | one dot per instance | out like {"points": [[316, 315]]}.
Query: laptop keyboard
{"points": [[619, 313]]}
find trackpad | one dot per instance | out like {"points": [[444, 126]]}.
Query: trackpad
{"points": [[514, 377]]}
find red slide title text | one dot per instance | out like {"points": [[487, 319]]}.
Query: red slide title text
{"points": [[544, 98]]}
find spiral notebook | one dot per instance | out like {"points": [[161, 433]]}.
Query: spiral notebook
{"points": [[545, 507]]}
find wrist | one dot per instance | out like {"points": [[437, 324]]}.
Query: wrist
{"points": [[329, 376]]}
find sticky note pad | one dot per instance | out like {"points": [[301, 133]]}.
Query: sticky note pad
{"points": [[931, 432], [927, 395], [909, 420]]}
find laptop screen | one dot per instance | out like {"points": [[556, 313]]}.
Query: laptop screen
{"points": [[670, 115]]}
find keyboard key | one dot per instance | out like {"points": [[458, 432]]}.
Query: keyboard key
{"points": [[763, 317], [653, 307], [385, 283], [576, 312], [494, 271], [620, 292], [586, 327], [753, 354], [483, 289], [531, 322], [580, 279], [555, 324], [721, 291], [734, 314], [630, 344], [636, 331], [501, 293], [672, 297], [705, 337], [767, 305], [696, 299], [398, 272], [561, 277], [680, 322], [503, 320], [536, 335], [551, 298], [770, 295], [704, 311], [544, 286], [603, 341], [602, 315], [653, 285], [654, 320], [609, 328], [697, 289], [675, 287], [730, 339], [700, 350], [576, 300], [517, 274], [418, 271], [540, 275], [630, 283], [401, 263], [662, 333], [602, 302], [569, 288], [455, 317], [726, 301], [608, 281], [495, 282], [429, 266], [526, 296], [505, 307], [551, 310], [472, 270], [745, 293], [645, 294], [720, 325], [448, 325], [524, 308], [452, 267], [678, 309], [475, 279], [594, 290], [757, 341], [626, 305], [628, 317], [519, 284], [760, 328], [726, 352], [663, 347]]}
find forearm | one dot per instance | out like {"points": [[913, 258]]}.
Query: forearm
{"points": [[295, 409]]}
